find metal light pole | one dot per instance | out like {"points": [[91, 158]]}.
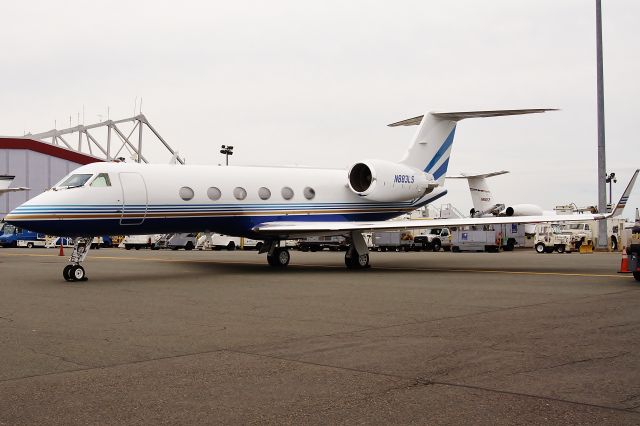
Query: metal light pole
{"points": [[602, 186], [227, 150]]}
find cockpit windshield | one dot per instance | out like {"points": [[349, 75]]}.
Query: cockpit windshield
{"points": [[102, 180], [75, 181]]}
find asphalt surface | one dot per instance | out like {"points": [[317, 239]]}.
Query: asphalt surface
{"points": [[220, 337]]}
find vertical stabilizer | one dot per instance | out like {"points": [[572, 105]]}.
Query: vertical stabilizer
{"points": [[483, 201], [431, 146]]}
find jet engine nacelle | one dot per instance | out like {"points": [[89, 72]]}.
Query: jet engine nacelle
{"points": [[380, 180], [523, 210]]}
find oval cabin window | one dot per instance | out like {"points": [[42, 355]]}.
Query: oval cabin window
{"points": [[186, 193], [264, 193], [240, 193], [309, 193], [214, 193], [287, 193]]}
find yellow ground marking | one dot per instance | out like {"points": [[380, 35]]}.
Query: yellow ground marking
{"points": [[389, 268]]}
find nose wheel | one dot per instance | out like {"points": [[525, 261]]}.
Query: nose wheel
{"points": [[74, 273]]}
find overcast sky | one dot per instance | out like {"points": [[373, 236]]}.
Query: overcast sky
{"points": [[315, 83]]}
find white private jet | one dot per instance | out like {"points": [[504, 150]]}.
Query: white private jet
{"points": [[5, 181], [264, 203]]}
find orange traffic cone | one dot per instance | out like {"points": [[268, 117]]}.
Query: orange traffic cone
{"points": [[624, 263], [61, 248]]}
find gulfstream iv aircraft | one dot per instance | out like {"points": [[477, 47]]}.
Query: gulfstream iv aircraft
{"points": [[266, 203]]}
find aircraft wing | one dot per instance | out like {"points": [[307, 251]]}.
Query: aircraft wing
{"points": [[298, 229], [3, 190]]}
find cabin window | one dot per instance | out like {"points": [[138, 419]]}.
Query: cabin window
{"points": [[102, 180], [309, 193], [264, 193], [76, 180], [287, 193], [186, 193], [240, 193], [214, 193]]}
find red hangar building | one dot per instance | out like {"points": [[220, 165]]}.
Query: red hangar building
{"points": [[36, 165]]}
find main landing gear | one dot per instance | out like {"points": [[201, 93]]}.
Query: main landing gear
{"points": [[74, 271], [356, 257], [277, 257]]}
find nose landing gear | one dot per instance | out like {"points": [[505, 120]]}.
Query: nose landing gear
{"points": [[74, 271]]}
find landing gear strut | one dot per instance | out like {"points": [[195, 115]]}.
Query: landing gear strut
{"points": [[357, 256], [74, 271], [278, 257]]}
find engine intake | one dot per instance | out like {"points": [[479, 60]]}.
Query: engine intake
{"points": [[380, 180]]}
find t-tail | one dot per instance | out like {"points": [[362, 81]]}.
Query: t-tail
{"points": [[431, 146], [483, 201]]}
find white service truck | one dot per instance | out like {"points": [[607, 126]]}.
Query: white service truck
{"points": [[552, 237], [433, 239]]}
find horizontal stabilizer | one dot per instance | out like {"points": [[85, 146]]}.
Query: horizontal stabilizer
{"points": [[478, 176], [457, 116]]}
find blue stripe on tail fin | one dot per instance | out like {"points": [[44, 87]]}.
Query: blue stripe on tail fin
{"points": [[441, 151]]}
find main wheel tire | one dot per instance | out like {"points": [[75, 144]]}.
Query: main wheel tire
{"points": [[66, 273], [128, 247], [354, 261], [540, 248], [29, 245], [77, 273], [231, 246], [280, 258], [436, 245], [560, 249], [188, 246]]}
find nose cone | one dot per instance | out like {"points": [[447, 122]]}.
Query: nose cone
{"points": [[33, 215]]}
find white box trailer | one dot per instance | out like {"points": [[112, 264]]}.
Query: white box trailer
{"points": [[490, 238], [392, 241]]}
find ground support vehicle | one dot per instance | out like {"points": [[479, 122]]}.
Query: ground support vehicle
{"points": [[175, 241], [392, 241], [139, 241], [53, 242], [18, 237], [584, 232], [551, 237], [434, 239], [489, 238], [249, 244], [213, 241], [332, 243]]}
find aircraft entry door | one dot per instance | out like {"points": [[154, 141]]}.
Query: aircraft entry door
{"points": [[134, 198]]}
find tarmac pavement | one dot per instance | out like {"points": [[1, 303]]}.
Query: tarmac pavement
{"points": [[220, 337]]}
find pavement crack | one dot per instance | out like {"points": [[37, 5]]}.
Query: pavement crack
{"points": [[58, 357], [564, 364]]}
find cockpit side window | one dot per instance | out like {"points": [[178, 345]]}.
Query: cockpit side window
{"points": [[76, 180], [102, 180]]}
